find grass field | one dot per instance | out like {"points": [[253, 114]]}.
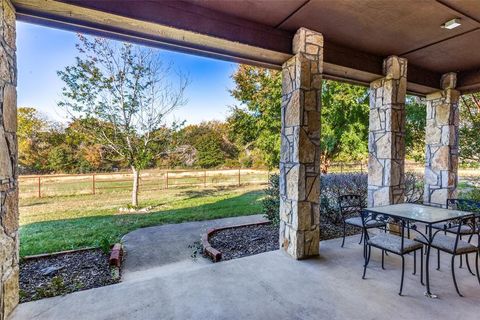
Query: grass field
{"points": [[151, 179], [51, 224]]}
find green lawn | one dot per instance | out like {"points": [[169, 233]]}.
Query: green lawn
{"points": [[63, 223]]}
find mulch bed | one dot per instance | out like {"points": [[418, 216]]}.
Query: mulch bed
{"points": [[249, 240], [58, 275], [245, 241], [332, 231]]}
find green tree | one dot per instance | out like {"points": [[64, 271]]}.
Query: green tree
{"points": [[416, 120], [61, 158], [128, 90], [256, 123], [345, 110], [470, 128], [209, 143], [36, 136]]}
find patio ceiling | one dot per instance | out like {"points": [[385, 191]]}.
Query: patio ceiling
{"points": [[358, 34]]}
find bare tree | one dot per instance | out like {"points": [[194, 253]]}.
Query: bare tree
{"points": [[123, 93]]}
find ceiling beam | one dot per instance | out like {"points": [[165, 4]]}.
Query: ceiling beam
{"points": [[184, 27], [468, 81]]}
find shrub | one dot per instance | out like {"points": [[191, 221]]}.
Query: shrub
{"points": [[414, 187], [473, 194], [472, 191], [334, 185], [271, 202]]}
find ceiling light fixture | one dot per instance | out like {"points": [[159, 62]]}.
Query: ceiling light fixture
{"points": [[451, 24]]}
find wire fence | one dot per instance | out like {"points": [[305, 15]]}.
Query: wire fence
{"points": [[362, 167], [98, 183]]}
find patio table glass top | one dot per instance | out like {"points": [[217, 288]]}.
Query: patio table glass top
{"points": [[420, 213]]}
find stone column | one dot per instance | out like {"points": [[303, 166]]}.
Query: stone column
{"points": [[8, 163], [386, 138], [441, 160], [300, 146]]}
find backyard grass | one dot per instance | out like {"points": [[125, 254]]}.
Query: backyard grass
{"points": [[62, 223]]}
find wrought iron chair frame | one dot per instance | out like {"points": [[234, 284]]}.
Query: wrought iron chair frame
{"points": [[367, 246], [471, 221], [344, 210], [449, 228]]}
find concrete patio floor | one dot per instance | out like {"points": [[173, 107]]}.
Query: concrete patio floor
{"points": [[272, 286]]}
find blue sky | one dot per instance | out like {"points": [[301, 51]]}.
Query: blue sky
{"points": [[42, 51]]}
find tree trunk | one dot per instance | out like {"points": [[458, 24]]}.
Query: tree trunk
{"points": [[136, 176], [324, 164]]}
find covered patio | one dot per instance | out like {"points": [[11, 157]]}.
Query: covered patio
{"points": [[271, 286], [395, 47]]}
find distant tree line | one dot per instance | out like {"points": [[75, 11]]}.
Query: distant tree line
{"points": [[249, 137]]}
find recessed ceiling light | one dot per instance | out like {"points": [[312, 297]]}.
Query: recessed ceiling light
{"points": [[451, 24]]}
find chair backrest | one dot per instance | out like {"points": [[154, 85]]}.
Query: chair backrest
{"points": [[350, 204], [367, 217], [472, 223]]}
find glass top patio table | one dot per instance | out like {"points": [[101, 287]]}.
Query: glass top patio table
{"points": [[420, 213]]}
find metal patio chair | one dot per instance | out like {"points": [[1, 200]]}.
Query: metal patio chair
{"points": [[350, 209], [457, 247], [459, 204], [388, 242], [465, 230]]}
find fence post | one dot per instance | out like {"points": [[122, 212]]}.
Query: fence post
{"points": [[341, 167], [39, 187], [93, 183], [239, 183], [204, 178], [166, 183]]}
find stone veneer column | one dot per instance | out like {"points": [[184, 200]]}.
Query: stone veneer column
{"points": [[441, 160], [386, 138], [300, 146], [8, 163]]}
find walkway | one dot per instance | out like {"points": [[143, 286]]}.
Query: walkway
{"points": [[166, 247]]}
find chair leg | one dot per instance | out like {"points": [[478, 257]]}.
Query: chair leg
{"points": [[361, 237], [426, 232], [344, 227], [438, 259], [468, 265], [415, 262], [453, 275], [421, 266], [476, 267], [385, 230], [383, 259], [461, 257], [403, 274], [367, 260]]}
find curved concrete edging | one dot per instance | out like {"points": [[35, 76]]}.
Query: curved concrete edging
{"points": [[213, 253]]}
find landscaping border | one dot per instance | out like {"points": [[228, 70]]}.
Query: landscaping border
{"points": [[115, 258], [215, 254], [56, 254]]}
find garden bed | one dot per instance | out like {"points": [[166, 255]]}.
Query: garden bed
{"points": [[329, 230], [242, 241], [52, 275]]}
